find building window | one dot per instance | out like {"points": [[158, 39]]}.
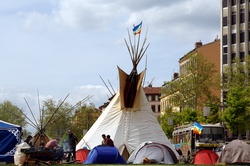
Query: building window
{"points": [[153, 108], [152, 97], [242, 37], [224, 39], [242, 56], [233, 55], [242, 1], [224, 60], [233, 38], [242, 17], [224, 49], [159, 108], [233, 19], [224, 22], [224, 3], [233, 2]]}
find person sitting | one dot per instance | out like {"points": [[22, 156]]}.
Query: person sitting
{"points": [[109, 141], [104, 139], [52, 144]]}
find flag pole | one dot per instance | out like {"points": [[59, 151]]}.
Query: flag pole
{"points": [[138, 46], [134, 56]]}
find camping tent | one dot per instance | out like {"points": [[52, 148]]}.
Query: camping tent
{"points": [[128, 118], [205, 157], [236, 151], [82, 154], [10, 136], [104, 155], [155, 152]]}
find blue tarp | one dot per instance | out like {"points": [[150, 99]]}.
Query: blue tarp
{"points": [[104, 155], [10, 136]]}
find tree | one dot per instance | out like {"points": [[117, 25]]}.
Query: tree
{"points": [[179, 118], [164, 121], [236, 115], [84, 117], [10, 113], [197, 83], [58, 119], [194, 87], [188, 116]]}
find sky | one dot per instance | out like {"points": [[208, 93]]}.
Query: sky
{"points": [[52, 48]]}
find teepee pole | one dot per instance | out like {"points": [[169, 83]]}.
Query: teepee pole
{"points": [[106, 85], [111, 87], [134, 50], [31, 112], [137, 55], [142, 47], [144, 78], [143, 53], [30, 121], [129, 50], [40, 111]]}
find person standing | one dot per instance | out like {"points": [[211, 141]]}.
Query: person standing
{"points": [[109, 141], [104, 139], [72, 140]]}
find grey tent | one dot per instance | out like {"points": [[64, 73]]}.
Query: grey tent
{"points": [[236, 152], [155, 152]]}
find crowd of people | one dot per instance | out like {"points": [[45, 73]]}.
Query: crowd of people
{"points": [[72, 141]]}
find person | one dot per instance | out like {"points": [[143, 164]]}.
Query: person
{"points": [[72, 140], [179, 151], [109, 141], [28, 140], [104, 139], [52, 144]]}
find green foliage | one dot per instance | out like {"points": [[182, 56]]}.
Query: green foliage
{"points": [[179, 118], [55, 119], [236, 83], [197, 82], [189, 115], [163, 119], [215, 114], [237, 113], [85, 116], [10, 113], [190, 93], [194, 89]]}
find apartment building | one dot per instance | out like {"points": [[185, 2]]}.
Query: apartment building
{"points": [[210, 52], [234, 32], [153, 95]]}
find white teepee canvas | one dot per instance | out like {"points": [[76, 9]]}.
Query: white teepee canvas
{"points": [[128, 127], [128, 118]]}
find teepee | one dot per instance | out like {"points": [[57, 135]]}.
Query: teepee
{"points": [[128, 118]]}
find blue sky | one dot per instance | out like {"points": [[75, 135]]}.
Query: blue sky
{"points": [[60, 47]]}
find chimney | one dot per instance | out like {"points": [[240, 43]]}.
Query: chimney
{"points": [[198, 44], [176, 75]]}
